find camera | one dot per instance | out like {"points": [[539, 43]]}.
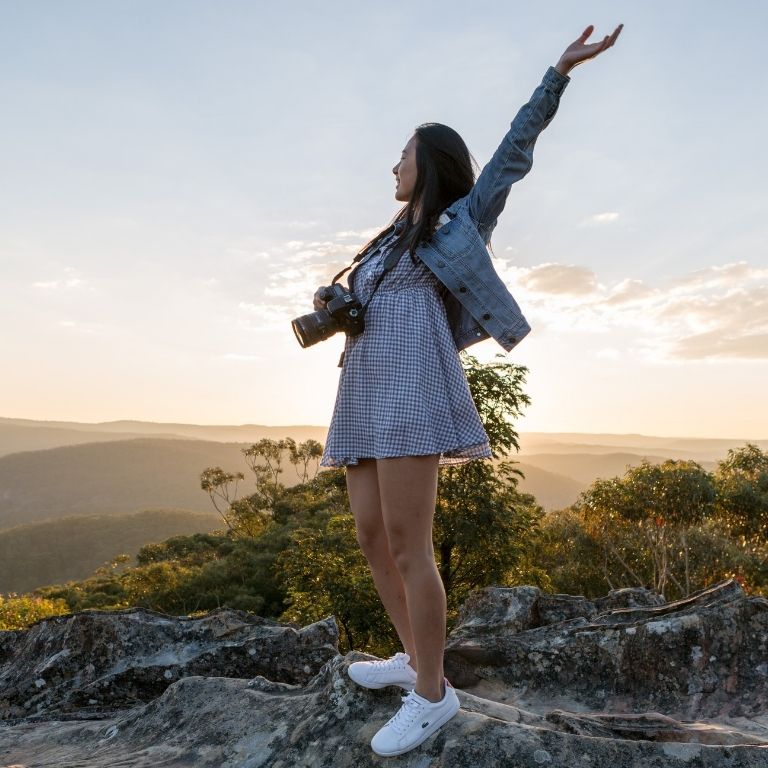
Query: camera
{"points": [[343, 312]]}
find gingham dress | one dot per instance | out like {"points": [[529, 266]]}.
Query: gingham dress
{"points": [[402, 390]]}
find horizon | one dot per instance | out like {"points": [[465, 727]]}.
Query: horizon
{"points": [[324, 426], [180, 178]]}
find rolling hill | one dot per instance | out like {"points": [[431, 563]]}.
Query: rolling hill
{"points": [[114, 478], [29, 435], [586, 467], [70, 548]]}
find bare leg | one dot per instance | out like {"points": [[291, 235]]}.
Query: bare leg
{"points": [[408, 493], [363, 491]]}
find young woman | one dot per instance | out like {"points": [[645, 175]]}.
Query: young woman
{"points": [[403, 406]]}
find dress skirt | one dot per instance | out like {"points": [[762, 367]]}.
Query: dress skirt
{"points": [[402, 389]]}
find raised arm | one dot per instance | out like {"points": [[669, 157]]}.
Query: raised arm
{"points": [[514, 156]]}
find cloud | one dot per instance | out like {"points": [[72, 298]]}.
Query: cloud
{"points": [[718, 312], [55, 285], [727, 274], [599, 219], [90, 328], [628, 291], [286, 275], [66, 283], [364, 235], [560, 278], [716, 344]]}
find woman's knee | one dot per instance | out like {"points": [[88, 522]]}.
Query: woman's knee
{"points": [[372, 537], [407, 554]]}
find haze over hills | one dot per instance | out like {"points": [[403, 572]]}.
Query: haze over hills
{"points": [[159, 470], [71, 548], [27, 434], [92, 491], [699, 449], [584, 468], [115, 478]]}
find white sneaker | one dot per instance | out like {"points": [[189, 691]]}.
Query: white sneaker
{"points": [[379, 674], [414, 722]]}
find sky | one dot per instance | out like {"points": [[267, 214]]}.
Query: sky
{"points": [[177, 179]]}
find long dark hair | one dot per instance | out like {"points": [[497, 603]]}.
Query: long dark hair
{"points": [[445, 172]]}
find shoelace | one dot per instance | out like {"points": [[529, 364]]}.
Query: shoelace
{"points": [[405, 716], [396, 662]]}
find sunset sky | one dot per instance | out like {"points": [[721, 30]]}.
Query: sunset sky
{"points": [[179, 177]]}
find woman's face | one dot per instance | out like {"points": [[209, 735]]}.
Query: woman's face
{"points": [[405, 171]]}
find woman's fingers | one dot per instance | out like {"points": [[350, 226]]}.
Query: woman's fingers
{"points": [[317, 302], [582, 52]]}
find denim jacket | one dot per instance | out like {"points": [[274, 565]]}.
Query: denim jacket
{"points": [[477, 302]]}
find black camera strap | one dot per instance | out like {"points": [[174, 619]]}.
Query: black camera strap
{"points": [[390, 262], [361, 255]]}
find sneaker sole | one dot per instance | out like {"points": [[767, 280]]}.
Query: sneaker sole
{"points": [[433, 728]]}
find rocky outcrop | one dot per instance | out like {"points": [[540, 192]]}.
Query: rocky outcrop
{"points": [[322, 719], [95, 661], [704, 656]]}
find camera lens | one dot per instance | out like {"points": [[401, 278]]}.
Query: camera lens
{"points": [[314, 327]]}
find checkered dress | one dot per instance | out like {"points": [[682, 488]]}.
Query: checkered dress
{"points": [[402, 390]]}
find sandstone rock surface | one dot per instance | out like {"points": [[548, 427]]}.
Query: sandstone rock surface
{"points": [[286, 717], [92, 661], [704, 656]]}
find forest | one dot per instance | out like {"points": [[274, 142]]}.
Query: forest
{"points": [[291, 553]]}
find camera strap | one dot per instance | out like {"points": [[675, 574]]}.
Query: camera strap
{"points": [[360, 256], [390, 262]]}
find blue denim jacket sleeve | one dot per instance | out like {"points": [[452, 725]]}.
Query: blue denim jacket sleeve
{"points": [[514, 156]]}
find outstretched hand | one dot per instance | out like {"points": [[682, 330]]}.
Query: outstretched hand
{"points": [[578, 51]]}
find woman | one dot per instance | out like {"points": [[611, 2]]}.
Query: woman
{"points": [[403, 407]]}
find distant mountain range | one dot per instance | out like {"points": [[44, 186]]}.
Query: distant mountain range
{"points": [[28, 435], [71, 548], [51, 469], [115, 477], [68, 489]]}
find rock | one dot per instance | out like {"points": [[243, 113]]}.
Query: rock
{"points": [[328, 723], [704, 656], [518, 608], [93, 661], [290, 704]]}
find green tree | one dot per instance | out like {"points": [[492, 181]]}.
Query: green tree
{"points": [[741, 480], [484, 527], [326, 573], [642, 522], [302, 454], [570, 556], [19, 611]]}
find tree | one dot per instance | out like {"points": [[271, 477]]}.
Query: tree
{"points": [[250, 516], [643, 519], [483, 525], [325, 573], [496, 389], [569, 555], [221, 485], [302, 454], [742, 493], [272, 453]]}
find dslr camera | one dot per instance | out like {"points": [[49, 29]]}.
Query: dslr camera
{"points": [[343, 312]]}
